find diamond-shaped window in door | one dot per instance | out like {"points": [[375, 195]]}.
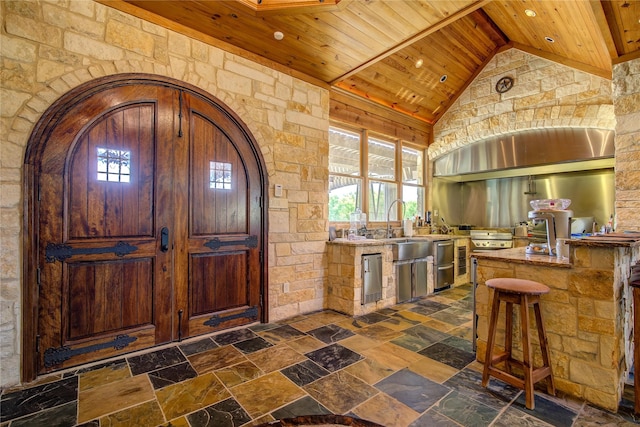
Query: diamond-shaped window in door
{"points": [[113, 165], [220, 175]]}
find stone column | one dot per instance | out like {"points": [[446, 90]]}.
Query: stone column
{"points": [[626, 104]]}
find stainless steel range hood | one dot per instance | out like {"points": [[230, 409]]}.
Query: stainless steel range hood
{"points": [[531, 152]]}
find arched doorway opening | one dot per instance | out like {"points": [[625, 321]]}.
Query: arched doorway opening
{"points": [[145, 222]]}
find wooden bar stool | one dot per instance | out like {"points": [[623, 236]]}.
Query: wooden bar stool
{"points": [[520, 292]]}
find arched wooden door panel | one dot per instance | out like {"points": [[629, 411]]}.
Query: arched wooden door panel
{"points": [[145, 222], [221, 239]]}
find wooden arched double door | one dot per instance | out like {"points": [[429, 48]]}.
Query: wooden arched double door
{"points": [[146, 222]]}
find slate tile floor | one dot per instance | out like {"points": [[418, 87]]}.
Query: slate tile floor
{"points": [[410, 365]]}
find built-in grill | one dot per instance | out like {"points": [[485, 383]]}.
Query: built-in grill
{"points": [[489, 240]]}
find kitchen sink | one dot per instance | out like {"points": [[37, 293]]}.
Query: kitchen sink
{"points": [[405, 249]]}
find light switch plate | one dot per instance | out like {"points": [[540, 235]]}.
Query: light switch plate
{"points": [[278, 190]]}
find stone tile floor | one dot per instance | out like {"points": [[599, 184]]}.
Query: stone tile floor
{"points": [[409, 365]]}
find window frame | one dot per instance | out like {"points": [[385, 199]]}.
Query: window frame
{"points": [[365, 135]]}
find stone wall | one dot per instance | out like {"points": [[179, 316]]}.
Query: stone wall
{"points": [[544, 94], [626, 104], [49, 47]]}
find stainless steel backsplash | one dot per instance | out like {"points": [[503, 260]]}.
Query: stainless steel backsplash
{"points": [[504, 202]]}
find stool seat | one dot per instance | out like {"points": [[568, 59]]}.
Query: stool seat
{"points": [[519, 286], [522, 293]]}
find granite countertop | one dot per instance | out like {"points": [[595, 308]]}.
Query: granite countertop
{"points": [[519, 255], [378, 242], [608, 240]]}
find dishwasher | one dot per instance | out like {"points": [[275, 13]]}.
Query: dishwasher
{"points": [[443, 264]]}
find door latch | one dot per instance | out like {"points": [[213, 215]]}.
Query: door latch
{"points": [[164, 239]]}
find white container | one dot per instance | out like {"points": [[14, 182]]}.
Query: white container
{"points": [[562, 248], [408, 228]]}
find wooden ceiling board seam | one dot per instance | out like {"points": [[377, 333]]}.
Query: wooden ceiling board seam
{"points": [[468, 49], [601, 54], [463, 66], [340, 27], [499, 14], [393, 19], [365, 29], [154, 18], [414, 38], [375, 85]]}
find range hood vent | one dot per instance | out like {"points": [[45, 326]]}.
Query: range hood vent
{"points": [[529, 152]]}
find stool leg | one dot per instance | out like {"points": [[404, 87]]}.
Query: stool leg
{"points": [[544, 348], [495, 309], [508, 335], [527, 362]]}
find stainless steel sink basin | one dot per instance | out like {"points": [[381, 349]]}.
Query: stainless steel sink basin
{"points": [[410, 249]]}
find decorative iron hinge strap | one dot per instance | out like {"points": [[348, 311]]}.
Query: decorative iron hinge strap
{"points": [[55, 356], [216, 243], [250, 313], [60, 251]]}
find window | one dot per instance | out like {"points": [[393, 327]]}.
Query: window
{"points": [[345, 180], [367, 172], [382, 159], [113, 165], [412, 182], [220, 175]]}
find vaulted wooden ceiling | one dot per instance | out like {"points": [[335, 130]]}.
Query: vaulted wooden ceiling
{"points": [[371, 48]]}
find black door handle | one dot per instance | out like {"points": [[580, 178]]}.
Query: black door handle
{"points": [[164, 239]]}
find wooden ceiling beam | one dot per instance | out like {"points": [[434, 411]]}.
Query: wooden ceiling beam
{"points": [[590, 69], [422, 34], [287, 7], [605, 31]]}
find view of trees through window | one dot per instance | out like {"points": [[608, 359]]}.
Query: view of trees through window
{"points": [[373, 181]]}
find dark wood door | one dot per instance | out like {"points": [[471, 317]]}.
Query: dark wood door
{"points": [[218, 210], [149, 225]]}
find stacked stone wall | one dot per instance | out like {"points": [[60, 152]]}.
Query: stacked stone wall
{"points": [[544, 95], [626, 104], [50, 47]]}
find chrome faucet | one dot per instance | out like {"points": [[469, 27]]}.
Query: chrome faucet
{"points": [[389, 212]]}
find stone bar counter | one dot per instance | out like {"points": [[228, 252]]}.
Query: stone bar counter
{"points": [[587, 315]]}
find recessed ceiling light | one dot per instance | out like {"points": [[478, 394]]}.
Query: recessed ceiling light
{"points": [[549, 39], [419, 63], [443, 78], [278, 35], [530, 13]]}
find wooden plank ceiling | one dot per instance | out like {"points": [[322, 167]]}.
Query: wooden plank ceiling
{"points": [[371, 48]]}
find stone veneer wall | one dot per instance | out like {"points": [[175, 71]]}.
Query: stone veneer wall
{"points": [[626, 104], [49, 47], [545, 94]]}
